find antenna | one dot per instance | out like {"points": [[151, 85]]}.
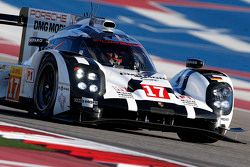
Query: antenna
{"points": [[91, 12], [94, 9], [97, 8]]}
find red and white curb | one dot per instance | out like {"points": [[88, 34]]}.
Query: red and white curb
{"points": [[14, 157], [95, 152]]}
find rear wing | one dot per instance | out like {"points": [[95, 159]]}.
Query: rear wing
{"points": [[12, 20], [36, 23]]}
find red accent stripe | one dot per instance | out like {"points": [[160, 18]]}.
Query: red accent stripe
{"points": [[147, 4], [242, 104], [106, 157], [204, 5], [9, 49], [144, 4], [242, 89], [233, 73], [117, 43], [60, 44]]}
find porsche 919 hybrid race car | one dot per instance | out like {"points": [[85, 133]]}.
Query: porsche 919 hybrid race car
{"points": [[86, 70]]}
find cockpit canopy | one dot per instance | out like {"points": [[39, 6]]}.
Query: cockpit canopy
{"points": [[111, 53]]}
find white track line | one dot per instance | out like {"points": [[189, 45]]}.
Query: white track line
{"points": [[247, 1], [11, 33], [174, 19], [21, 164]]}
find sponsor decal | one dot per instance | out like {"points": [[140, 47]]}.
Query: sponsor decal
{"points": [[88, 102], [48, 21], [142, 76], [216, 78], [62, 101], [122, 92], [155, 91], [63, 87], [14, 84], [48, 16], [80, 100], [30, 75], [47, 27], [188, 101], [63, 92], [77, 100], [225, 119], [36, 40]]}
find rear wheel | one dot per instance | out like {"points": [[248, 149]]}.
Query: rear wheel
{"points": [[46, 86]]}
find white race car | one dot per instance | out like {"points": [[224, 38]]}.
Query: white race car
{"points": [[84, 69]]}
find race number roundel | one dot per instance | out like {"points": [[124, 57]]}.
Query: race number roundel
{"points": [[155, 91], [14, 83]]}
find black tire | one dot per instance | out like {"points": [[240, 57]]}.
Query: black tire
{"points": [[197, 137], [46, 86]]}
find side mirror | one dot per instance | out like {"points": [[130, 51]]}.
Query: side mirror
{"points": [[39, 42], [194, 63]]}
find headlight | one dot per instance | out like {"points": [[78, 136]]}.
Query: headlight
{"points": [[82, 85], [225, 105], [222, 92], [79, 73], [220, 97], [88, 81], [92, 76], [93, 88]]}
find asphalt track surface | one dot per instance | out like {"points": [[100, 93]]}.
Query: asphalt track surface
{"points": [[165, 145]]}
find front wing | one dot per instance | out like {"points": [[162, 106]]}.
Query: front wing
{"points": [[121, 123]]}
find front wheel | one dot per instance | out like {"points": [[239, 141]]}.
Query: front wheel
{"points": [[196, 137], [46, 86]]}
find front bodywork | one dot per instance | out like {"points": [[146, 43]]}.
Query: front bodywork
{"points": [[131, 94]]}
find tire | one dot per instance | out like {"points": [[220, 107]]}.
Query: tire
{"points": [[46, 86], [196, 137]]}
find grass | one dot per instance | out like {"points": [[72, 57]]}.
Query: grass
{"points": [[19, 144]]}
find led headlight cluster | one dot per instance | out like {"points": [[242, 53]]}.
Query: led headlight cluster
{"points": [[221, 98], [82, 85], [86, 78], [79, 73], [92, 76]]}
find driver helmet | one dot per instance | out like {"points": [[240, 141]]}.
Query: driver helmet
{"points": [[114, 58]]}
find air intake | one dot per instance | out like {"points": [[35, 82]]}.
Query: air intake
{"points": [[109, 24]]}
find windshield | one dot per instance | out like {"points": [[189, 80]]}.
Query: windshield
{"points": [[119, 54]]}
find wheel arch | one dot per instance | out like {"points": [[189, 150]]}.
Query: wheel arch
{"points": [[62, 102], [200, 82]]}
